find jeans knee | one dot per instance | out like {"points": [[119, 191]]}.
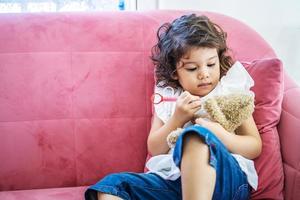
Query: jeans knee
{"points": [[116, 178], [194, 142]]}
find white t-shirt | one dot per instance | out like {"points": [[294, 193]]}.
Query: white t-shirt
{"points": [[238, 80]]}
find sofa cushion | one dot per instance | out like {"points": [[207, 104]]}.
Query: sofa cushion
{"points": [[268, 89], [67, 193]]}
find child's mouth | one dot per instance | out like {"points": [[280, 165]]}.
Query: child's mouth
{"points": [[204, 84]]}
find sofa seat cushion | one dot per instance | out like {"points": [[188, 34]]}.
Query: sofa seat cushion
{"points": [[67, 193]]}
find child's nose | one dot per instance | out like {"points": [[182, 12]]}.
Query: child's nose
{"points": [[203, 73]]}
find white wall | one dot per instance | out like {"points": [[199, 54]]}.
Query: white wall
{"points": [[277, 21]]}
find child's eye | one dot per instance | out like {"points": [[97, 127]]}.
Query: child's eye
{"points": [[191, 69], [210, 65]]}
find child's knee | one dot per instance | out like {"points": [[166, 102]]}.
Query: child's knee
{"points": [[193, 142]]}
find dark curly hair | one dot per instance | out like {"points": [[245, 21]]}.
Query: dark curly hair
{"points": [[177, 38]]}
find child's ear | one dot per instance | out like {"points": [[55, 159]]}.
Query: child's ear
{"points": [[174, 76]]}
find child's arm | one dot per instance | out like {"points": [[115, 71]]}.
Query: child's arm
{"points": [[158, 134], [186, 106], [246, 142]]}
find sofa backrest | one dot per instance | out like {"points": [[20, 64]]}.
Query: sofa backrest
{"points": [[75, 92]]}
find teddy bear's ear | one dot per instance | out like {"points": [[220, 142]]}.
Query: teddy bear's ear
{"points": [[173, 136], [232, 109]]}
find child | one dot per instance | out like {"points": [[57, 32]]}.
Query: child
{"points": [[207, 162]]}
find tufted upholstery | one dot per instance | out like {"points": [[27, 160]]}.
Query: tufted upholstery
{"points": [[75, 99]]}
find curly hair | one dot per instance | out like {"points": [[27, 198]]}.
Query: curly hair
{"points": [[176, 39]]}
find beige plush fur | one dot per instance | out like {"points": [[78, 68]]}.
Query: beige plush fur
{"points": [[228, 110]]}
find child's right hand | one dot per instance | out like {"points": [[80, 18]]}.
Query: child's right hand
{"points": [[186, 107]]}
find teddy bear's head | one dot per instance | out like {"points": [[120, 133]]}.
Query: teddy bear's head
{"points": [[230, 110]]}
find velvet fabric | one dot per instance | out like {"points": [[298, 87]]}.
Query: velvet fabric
{"points": [[75, 94], [67, 193], [289, 127], [268, 78]]}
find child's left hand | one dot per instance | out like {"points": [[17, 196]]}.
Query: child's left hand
{"points": [[214, 127]]}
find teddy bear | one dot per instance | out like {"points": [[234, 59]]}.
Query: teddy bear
{"points": [[228, 110]]}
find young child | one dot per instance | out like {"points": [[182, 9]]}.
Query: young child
{"points": [[207, 161]]}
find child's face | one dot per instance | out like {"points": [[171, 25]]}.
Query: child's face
{"points": [[198, 72]]}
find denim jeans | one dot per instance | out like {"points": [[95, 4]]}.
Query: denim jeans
{"points": [[231, 181]]}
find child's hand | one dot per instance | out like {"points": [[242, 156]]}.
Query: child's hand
{"points": [[186, 107], [214, 127]]}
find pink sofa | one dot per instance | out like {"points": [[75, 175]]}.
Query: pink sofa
{"points": [[75, 99]]}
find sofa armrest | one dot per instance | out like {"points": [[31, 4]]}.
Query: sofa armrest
{"points": [[289, 133]]}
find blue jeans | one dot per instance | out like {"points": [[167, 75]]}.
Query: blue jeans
{"points": [[231, 181]]}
